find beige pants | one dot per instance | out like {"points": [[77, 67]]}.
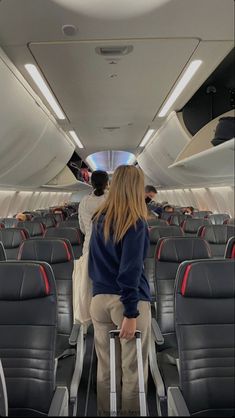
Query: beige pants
{"points": [[107, 314]]}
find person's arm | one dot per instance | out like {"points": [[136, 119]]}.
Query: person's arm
{"points": [[131, 267], [80, 214]]}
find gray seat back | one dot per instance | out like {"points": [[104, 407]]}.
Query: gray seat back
{"points": [[59, 255], [170, 252], [12, 239], [205, 328], [217, 237], [28, 317]]}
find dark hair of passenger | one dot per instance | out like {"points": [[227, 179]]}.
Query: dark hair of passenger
{"points": [[149, 189], [99, 181]]}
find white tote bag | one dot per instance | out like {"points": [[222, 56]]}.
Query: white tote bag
{"points": [[82, 290]]}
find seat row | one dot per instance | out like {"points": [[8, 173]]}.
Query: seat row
{"points": [[41, 351], [12, 238], [175, 258]]}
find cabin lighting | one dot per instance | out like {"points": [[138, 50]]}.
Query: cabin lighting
{"points": [[39, 81], [182, 83], [76, 139], [146, 137]]}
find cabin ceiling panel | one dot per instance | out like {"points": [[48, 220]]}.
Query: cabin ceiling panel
{"points": [[97, 95], [33, 20]]}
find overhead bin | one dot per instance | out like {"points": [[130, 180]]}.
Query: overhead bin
{"points": [[66, 180], [162, 151], [33, 148]]}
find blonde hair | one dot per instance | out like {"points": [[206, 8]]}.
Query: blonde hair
{"points": [[125, 203]]}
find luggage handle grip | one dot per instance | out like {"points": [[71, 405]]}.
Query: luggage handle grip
{"points": [[115, 333]]}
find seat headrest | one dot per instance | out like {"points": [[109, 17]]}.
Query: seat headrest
{"points": [[191, 225], [164, 231], [218, 218], [72, 234], [34, 228], [12, 237], [206, 279], [23, 280], [216, 234], [177, 249], [155, 222], [53, 251]]}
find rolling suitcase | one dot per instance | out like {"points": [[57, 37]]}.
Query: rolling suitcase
{"points": [[113, 393]]}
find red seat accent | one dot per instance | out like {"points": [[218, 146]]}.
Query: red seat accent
{"points": [[185, 279]]}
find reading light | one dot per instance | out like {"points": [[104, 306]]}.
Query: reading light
{"points": [[146, 137], [39, 81], [182, 83], [76, 139]]}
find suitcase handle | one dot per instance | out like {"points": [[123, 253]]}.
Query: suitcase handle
{"points": [[115, 333], [142, 398]]}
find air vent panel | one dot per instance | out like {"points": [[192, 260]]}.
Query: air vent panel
{"points": [[114, 50]]}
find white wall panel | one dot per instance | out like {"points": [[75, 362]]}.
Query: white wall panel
{"points": [[12, 202], [216, 199]]}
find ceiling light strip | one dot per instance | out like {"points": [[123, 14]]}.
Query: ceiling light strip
{"points": [[146, 138], [41, 84], [76, 139], [182, 83]]}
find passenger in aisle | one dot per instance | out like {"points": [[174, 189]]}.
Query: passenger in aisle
{"points": [[89, 204], [121, 294], [151, 199]]}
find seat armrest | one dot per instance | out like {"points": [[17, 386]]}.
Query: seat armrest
{"points": [[176, 404], [157, 332], [73, 339], [3, 394], [60, 403]]}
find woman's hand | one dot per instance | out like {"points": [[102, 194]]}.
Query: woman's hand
{"points": [[128, 328]]}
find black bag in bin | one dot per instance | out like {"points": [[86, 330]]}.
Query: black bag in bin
{"points": [[225, 130]]}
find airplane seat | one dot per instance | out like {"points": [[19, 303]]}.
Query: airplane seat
{"points": [[218, 218], [49, 220], [230, 221], [34, 228], [9, 222], [217, 237], [205, 329], [191, 226], [155, 234], [177, 220], [12, 238], [3, 256], [28, 320], [170, 252], [230, 248], [46, 220], [74, 223], [58, 253], [73, 216], [58, 217], [156, 222], [167, 215], [72, 234], [202, 214]]}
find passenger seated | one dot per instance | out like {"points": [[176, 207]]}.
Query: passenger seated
{"points": [[188, 210], [21, 217]]}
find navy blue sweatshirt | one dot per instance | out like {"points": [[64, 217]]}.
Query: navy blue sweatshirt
{"points": [[118, 268]]}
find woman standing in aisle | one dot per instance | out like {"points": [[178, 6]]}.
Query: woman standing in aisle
{"points": [[90, 203], [121, 295]]}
